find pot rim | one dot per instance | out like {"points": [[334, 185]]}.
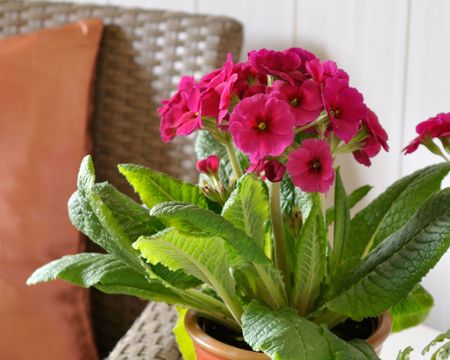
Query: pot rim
{"points": [[382, 331], [219, 348], [214, 346]]}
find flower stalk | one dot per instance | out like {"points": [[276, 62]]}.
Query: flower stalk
{"points": [[231, 152], [279, 236]]}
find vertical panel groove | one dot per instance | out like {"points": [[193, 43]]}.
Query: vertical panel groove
{"points": [[405, 84]]}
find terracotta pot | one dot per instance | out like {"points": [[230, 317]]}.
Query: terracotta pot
{"points": [[208, 348], [380, 335]]}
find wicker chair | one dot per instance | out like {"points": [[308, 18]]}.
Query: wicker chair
{"points": [[143, 54]]}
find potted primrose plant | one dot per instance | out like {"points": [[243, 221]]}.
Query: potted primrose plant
{"points": [[264, 268]]}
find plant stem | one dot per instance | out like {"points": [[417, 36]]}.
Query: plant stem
{"points": [[316, 122], [279, 237], [208, 306], [233, 159]]}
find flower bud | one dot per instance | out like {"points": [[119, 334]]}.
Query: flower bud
{"points": [[274, 170], [208, 166]]}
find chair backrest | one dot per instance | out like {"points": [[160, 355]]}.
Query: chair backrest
{"points": [[143, 54]]}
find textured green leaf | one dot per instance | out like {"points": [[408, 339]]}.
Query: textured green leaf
{"points": [[93, 218], [341, 223], [310, 260], [392, 209], [205, 145], [203, 257], [392, 270], [248, 208], [154, 187], [283, 335], [104, 272], [354, 198], [178, 279], [293, 198], [212, 224], [86, 174], [132, 217], [237, 243], [412, 310]]}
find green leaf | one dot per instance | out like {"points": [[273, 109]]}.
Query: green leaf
{"points": [[293, 198], [248, 208], [184, 341], [341, 223], [412, 310], [178, 279], [205, 145], [310, 260], [237, 243], [442, 353], [392, 209], [438, 339], [132, 217], [396, 266], [354, 198], [405, 354], [154, 187], [283, 335], [203, 257], [205, 221], [104, 272], [93, 218]]}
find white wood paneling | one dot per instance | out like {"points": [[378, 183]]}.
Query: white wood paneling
{"points": [[267, 23], [428, 93], [367, 39]]}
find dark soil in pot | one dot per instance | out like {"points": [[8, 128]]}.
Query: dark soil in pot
{"points": [[351, 329], [348, 330], [223, 334]]}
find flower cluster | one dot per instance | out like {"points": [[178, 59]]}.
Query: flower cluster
{"points": [[437, 127], [286, 110]]}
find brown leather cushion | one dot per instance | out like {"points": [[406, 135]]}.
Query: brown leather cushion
{"points": [[45, 80]]}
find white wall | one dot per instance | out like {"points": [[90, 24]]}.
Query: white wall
{"points": [[397, 53]]}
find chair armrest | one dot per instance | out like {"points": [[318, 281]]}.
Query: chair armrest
{"points": [[150, 336]]}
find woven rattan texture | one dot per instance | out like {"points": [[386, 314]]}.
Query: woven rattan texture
{"points": [[143, 54], [150, 337]]}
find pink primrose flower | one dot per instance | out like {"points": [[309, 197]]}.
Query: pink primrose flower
{"points": [[305, 99], [304, 55], [284, 65], [345, 107], [376, 139], [180, 115], [320, 72], [262, 126], [435, 127], [311, 166]]}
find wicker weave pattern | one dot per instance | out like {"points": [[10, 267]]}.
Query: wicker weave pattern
{"points": [[150, 337], [142, 56]]}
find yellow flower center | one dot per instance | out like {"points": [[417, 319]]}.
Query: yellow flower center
{"points": [[335, 112]]}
